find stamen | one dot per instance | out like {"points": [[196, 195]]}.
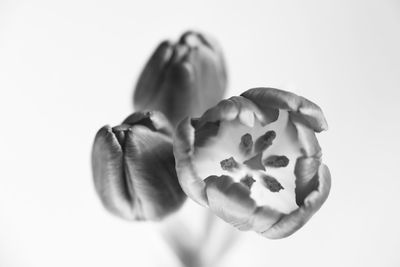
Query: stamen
{"points": [[229, 164], [248, 181], [246, 144], [264, 141], [276, 161], [271, 183]]}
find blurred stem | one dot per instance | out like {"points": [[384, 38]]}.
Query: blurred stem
{"points": [[216, 238], [181, 241]]}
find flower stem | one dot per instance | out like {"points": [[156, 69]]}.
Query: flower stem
{"points": [[206, 247]]}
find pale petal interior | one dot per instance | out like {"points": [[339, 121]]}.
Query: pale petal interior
{"points": [[226, 144]]}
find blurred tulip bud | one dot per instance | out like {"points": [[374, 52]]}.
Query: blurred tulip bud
{"points": [[134, 168], [254, 160], [182, 79]]}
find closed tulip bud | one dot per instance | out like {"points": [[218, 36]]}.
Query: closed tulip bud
{"points": [[134, 168], [254, 160], [183, 78]]}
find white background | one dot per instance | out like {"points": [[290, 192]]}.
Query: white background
{"points": [[69, 67]]}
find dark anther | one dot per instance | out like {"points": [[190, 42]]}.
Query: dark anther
{"points": [[247, 181], [229, 164], [276, 161], [271, 183], [264, 141], [246, 144]]}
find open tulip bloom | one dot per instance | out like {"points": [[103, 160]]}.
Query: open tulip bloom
{"points": [[254, 160]]}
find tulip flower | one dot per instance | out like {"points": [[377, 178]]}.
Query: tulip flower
{"points": [[182, 79], [134, 168], [254, 160]]}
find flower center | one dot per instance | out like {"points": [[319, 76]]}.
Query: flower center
{"points": [[262, 158]]}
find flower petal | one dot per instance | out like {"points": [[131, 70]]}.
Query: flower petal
{"points": [[202, 134], [196, 40], [154, 120], [191, 83], [247, 111], [290, 223], [238, 107], [263, 218], [191, 184], [306, 136], [230, 200], [226, 110], [248, 107], [306, 181], [176, 91], [267, 98], [210, 77], [109, 176], [150, 168], [148, 86], [210, 81], [182, 79]]}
